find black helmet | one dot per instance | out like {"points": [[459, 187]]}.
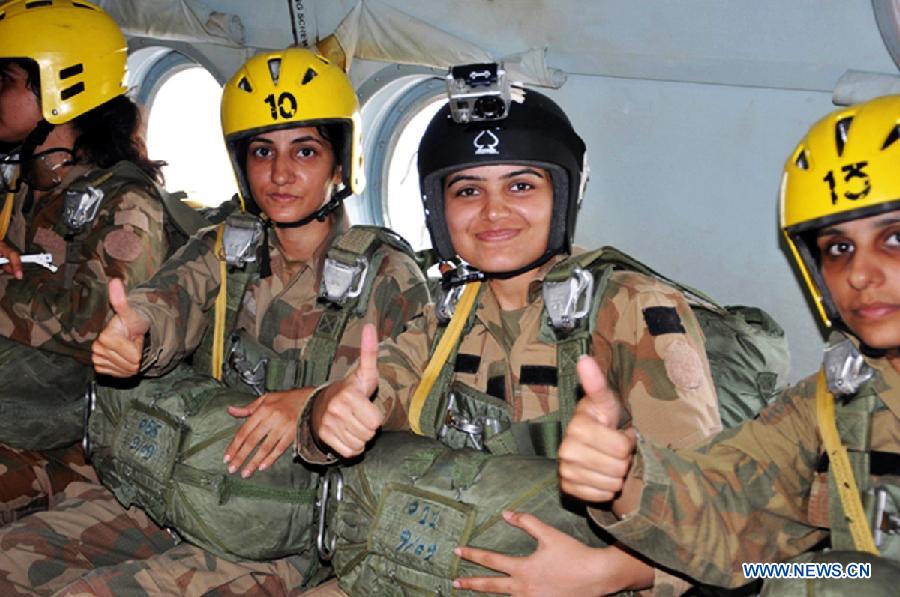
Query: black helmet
{"points": [[536, 132]]}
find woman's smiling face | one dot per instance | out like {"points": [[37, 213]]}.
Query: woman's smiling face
{"points": [[499, 216]]}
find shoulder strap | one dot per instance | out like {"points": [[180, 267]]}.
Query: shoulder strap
{"points": [[232, 286], [186, 219], [844, 481], [348, 275], [6, 214]]}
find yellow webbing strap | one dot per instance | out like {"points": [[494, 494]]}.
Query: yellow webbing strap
{"points": [[843, 473], [218, 345], [6, 214], [441, 354]]}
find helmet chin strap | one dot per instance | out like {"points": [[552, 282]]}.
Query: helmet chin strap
{"points": [[36, 137], [450, 280], [320, 214], [265, 267]]}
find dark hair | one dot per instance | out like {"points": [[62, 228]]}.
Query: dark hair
{"points": [[112, 132], [106, 134], [32, 73]]}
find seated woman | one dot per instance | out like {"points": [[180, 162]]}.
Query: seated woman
{"points": [[295, 163], [818, 466], [82, 193], [503, 197]]}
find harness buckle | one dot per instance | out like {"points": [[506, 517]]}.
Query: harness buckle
{"points": [[81, 206], [474, 428], [332, 485], [845, 369], [252, 375], [342, 282], [446, 306], [240, 239], [569, 301], [884, 523]]}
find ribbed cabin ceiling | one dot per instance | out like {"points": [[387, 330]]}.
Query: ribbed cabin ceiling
{"points": [[803, 44]]}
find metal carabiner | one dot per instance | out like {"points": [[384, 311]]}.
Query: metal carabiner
{"points": [[325, 544], [90, 402], [570, 300]]}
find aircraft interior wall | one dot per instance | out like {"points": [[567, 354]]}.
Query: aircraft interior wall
{"points": [[688, 110]]}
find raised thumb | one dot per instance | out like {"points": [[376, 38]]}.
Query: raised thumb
{"points": [[118, 299], [367, 372], [602, 401]]}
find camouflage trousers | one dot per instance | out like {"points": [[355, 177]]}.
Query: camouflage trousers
{"points": [[32, 481], [91, 545]]}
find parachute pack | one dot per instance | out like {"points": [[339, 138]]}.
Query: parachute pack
{"points": [[159, 445], [391, 522]]}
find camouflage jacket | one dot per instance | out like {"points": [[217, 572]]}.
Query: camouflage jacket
{"points": [[749, 494], [280, 311], [126, 240], [663, 380]]}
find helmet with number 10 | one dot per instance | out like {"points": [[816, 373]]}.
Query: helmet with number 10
{"points": [[286, 89]]}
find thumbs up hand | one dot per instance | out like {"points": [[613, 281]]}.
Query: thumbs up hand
{"points": [[594, 456], [117, 350], [344, 417]]}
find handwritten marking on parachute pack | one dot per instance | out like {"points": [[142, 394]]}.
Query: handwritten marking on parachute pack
{"points": [[143, 443], [415, 527]]}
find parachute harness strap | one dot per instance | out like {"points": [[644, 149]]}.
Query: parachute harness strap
{"points": [[843, 473], [218, 347], [441, 353], [6, 214]]}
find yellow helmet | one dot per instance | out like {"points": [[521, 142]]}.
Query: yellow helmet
{"points": [[847, 167], [79, 49], [288, 88]]}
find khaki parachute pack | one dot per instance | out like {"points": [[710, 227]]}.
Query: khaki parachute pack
{"points": [[746, 349], [53, 384], [390, 523], [160, 445]]}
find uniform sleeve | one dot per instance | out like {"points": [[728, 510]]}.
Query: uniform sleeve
{"points": [[176, 301], [742, 497], [397, 307], [127, 241], [650, 344]]}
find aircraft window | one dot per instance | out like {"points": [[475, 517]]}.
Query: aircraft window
{"points": [[395, 118], [403, 199], [183, 130]]}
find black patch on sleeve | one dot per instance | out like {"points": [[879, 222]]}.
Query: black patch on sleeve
{"points": [[467, 363], [663, 320], [537, 375], [496, 387]]}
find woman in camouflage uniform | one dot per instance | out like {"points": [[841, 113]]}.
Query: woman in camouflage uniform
{"points": [[292, 129], [811, 470], [503, 196], [64, 125]]}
